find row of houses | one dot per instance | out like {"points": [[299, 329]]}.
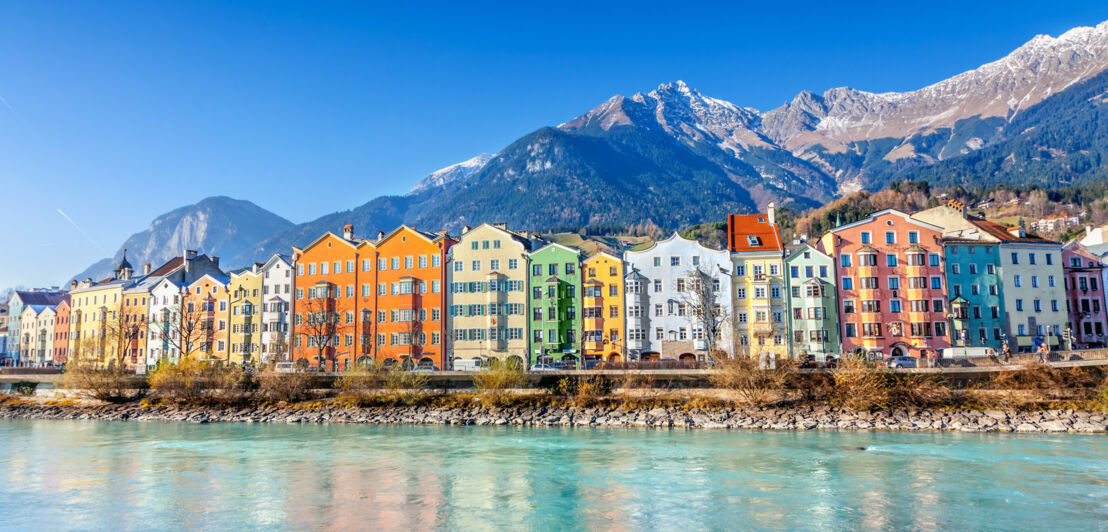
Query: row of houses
{"points": [[895, 283]]}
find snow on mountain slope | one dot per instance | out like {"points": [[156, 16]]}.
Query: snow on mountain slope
{"points": [[453, 172]]}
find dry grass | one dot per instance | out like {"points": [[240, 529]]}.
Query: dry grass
{"points": [[287, 387], [193, 382], [496, 381], [753, 384], [108, 385]]}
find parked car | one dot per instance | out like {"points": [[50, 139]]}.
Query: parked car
{"points": [[468, 364], [284, 367], [902, 362]]}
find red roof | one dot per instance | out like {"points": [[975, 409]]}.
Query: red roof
{"points": [[1002, 232], [752, 232]]}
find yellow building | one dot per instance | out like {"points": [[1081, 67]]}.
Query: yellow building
{"points": [[602, 305], [96, 319], [245, 304], [760, 303]]}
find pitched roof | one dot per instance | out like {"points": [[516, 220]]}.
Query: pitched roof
{"points": [[752, 232], [1000, 232], [41, 298]]}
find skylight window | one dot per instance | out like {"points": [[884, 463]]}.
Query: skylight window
{"points": [[753, 240]]}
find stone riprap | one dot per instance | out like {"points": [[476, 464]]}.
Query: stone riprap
{"points": [[792, 418]]}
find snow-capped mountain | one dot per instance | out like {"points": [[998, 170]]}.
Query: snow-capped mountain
{"points": [[453, 172]]}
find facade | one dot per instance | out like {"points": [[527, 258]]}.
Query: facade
{"points": [[61, 332], [555, 286], [760, 305], [276, 317], [974, 283], [659, 299], [602, 308], [892, 296], [488, 286], [18, 301], [135, 313], [813, 302], [163, 340], [412, 299], [244, 315], [36, 335], [3, 332], [1085, 302], [326, 271], [208, 298]]}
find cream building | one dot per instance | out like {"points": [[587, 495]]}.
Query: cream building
{"points": [[276, 307], [487, 271]]}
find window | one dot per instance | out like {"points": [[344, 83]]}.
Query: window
{"points": [[847, 283], [894, 283], [865, 237], [1017, 280], [657, 261], [1019, 305], [844, 260], [894, 306], [933, 259], [1031, 258], [890, 237], [890, 260], [913, 237], [794, 272], [1049, 259], [936, 283], [954, 268], [1050, 281], [675, 261], [848, 306], [990, 269], [1015, 258]]}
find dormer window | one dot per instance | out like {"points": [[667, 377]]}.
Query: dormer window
{"points": [[761, 219], [753, 241]]}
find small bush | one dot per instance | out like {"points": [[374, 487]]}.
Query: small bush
{"points": [[495, 381], [193, 382], [408, 386], [582, 391], [109, 385], [856, 384], [753, 384], [24, 387], [289, 387], [360, 384]]}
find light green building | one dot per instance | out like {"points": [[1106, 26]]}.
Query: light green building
{"points": [[813, 308], [555, 305]]}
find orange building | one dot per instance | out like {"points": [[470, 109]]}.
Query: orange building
{"points": [[411, 325], [61, 331], [206, 300], [133, 311], [333, 302], [362, 300]]}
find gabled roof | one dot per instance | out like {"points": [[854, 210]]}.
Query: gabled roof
{"points": [[511, 234], [219, 279], [431, 237], [677, 236], [321, 238], [879, 214], [554, 245], [600, 254], [1000, 232], [806, 247], [277, 257], [40, 298], [752, 232]]}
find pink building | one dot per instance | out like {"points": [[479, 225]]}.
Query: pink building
{"points": [[892, 291], [1088, 318]]}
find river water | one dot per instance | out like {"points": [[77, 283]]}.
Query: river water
{"points": [[76, 475]]}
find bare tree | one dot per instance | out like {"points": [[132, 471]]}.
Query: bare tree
{"points": [[702, 298], [321, 325], [180, 328]]}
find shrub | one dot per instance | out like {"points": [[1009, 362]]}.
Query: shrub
{"points": [[408, 386], [360, 383], [496, 379], [857, 385], [289, 387], [582, 391], [109, 385], [24, 387], [753, 384], [190, 381]]}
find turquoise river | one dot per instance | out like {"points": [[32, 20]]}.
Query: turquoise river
{"points": [[85, 475]]}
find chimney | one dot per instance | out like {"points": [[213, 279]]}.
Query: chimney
{"points": [[348, 232], [190, 254], [465, 229], [380, 235], [1088, 229], [769, 213], [73, 284], [1017, 231], [500, 225], [215, 261], [146, 269]]}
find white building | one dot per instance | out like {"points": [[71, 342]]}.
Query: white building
{"points": [[163, 319], [36, 332], [660, 298], [276, 306]]}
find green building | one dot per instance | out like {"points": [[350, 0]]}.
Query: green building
{"points": [[974, 285], [555, 305], [813, 307]]}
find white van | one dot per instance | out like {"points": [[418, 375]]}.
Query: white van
{"points": [[967, 352], [468, 364]]}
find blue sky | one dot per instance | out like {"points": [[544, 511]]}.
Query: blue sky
{"points": [[117, 112]]}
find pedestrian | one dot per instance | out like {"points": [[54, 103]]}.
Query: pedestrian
{"points": [[1041, 350], [1007, 354]]}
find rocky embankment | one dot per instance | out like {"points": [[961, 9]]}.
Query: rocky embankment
{"points": [[795, 418]]}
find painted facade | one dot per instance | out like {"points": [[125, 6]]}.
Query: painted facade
{"points": [[36, 335], [208, 298], [813, 302], [411, 298], [663, 272], [602, 308], [974, 284], [61, 332], [326, 271], [555, 285], [1085, 304], [276, 312], [245, 314], [760, 302], [891, 284], [16, 304], [165, 319], [487, 273]]}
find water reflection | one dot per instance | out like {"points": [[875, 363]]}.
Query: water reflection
{"points": [[89, 475]]}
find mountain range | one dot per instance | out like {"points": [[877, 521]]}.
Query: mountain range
{"points": [[674, 157]]}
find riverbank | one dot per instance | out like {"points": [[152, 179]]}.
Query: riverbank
{"points": [[770, 418]]}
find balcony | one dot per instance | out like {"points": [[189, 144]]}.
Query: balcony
{"points": [[761, 327]]}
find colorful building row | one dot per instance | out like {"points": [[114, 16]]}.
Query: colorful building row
{"points": [[892, 283]]}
